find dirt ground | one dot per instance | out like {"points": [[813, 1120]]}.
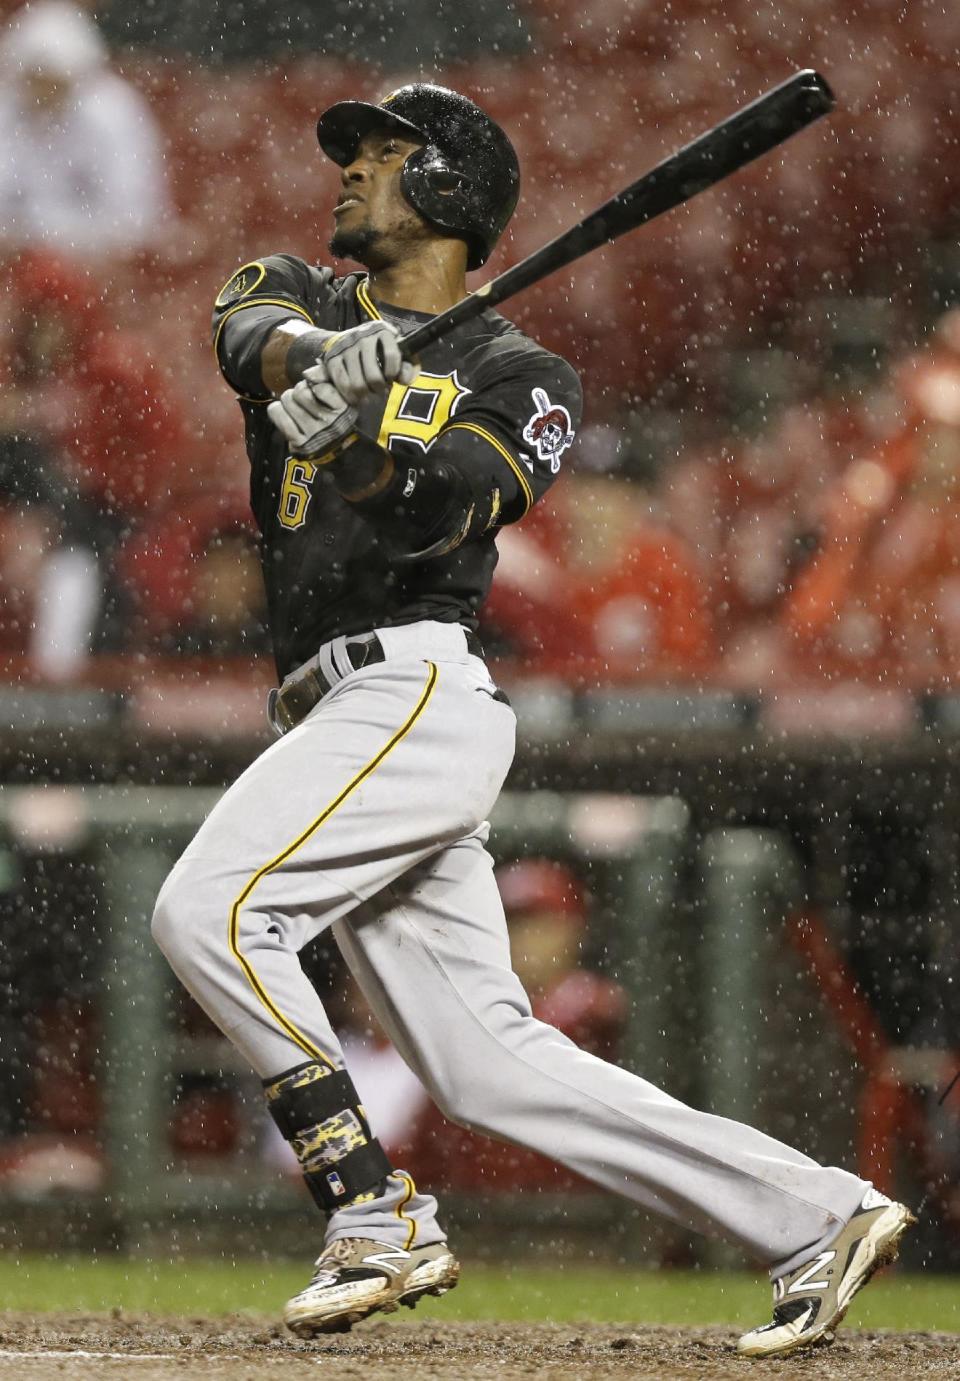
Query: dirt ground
{"points": [[73, 1347]]}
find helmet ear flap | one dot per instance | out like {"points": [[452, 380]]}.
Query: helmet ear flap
{"points": [[447, 180], [443, 195]]}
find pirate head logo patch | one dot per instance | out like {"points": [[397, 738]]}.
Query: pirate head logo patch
{"points": [[550, 430]]}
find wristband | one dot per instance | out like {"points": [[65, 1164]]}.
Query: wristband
{"points": [[305, 351], [365, 468], [336, 450]]}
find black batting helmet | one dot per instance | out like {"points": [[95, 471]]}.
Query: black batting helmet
{"points": [[466, 178]]}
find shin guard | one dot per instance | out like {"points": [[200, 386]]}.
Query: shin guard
{"points": [[318, 1111]]}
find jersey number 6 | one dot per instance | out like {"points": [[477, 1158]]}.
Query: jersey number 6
{"points": [[295, 492]]}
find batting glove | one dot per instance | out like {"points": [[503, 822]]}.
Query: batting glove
{"points": [[366, 359], [314, 416]]}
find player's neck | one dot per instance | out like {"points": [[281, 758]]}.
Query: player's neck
{"points": [[428, 281]]}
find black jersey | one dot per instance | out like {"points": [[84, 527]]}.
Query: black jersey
{"points": [[487, 398]]}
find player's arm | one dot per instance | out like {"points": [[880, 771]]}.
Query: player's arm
{"points": [[274, 296], [363, 359], [265, 335], [486, 468]]}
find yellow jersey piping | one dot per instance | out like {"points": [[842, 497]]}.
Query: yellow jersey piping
{"points": [[521, 477], [328, 810], [366, 301]]}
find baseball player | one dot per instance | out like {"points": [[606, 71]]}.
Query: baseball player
{"points": [[379, 487]]}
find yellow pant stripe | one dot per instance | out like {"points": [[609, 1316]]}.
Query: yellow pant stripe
{"points": [[328, 810], [498, 446], [405, 1217]]}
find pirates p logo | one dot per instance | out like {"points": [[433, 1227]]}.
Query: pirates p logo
{"points": [[243, 282], [417, 412]]}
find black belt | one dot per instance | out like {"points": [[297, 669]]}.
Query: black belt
{"points": [[304, 688]]}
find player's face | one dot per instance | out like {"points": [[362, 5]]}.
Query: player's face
{"points": [[374, 223]]}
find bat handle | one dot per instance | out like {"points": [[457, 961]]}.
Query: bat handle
{"points": [[416, 340], [421, 336]]}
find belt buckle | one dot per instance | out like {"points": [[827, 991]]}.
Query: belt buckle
{"points": [[290, 704], [368, 642], [287, 705], [277, 712]]}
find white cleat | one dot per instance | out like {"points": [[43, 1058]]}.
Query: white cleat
{"points": [[356, 1277], [812, 1299]]}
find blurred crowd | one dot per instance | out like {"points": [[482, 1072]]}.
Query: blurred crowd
{"points": [[766, 486], [826, 546]]}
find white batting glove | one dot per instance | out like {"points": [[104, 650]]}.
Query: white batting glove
{"points": [[313, 415], [366, 359]]}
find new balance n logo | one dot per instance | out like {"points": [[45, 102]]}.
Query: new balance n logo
{"points": [[803, 1282], [385, 1260]]}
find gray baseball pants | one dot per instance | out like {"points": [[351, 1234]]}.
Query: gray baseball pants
{"points": [[370, 817]]}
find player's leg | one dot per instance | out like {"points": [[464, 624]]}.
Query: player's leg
{"points": [[295, 842], [323, 819], [435, 967]]}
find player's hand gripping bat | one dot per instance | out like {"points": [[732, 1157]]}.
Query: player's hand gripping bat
{"points": [[756, 129]]}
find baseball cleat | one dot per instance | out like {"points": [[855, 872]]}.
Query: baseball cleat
{"points": [[811, 1300], [356, 1277]]}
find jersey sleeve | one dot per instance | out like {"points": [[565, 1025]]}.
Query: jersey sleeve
{"points": [[251, 304], [514, 430], [499, 453]]}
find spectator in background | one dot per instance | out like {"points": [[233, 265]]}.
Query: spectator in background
{"points": [[547, 917], [49, 580], [768, 494], [81, 166], [547, 921], [89, 390], [227, 612], [597, 588], [881, 595], [90, 399], [196, 579]]}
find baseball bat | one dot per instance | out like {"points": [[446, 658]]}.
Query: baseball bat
{"points": [[756, 129]]}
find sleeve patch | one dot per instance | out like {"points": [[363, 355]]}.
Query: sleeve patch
{"points": [[549, 430], [241, 284]]}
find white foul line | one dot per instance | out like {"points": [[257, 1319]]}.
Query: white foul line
{"points": [[7, 1356]]}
